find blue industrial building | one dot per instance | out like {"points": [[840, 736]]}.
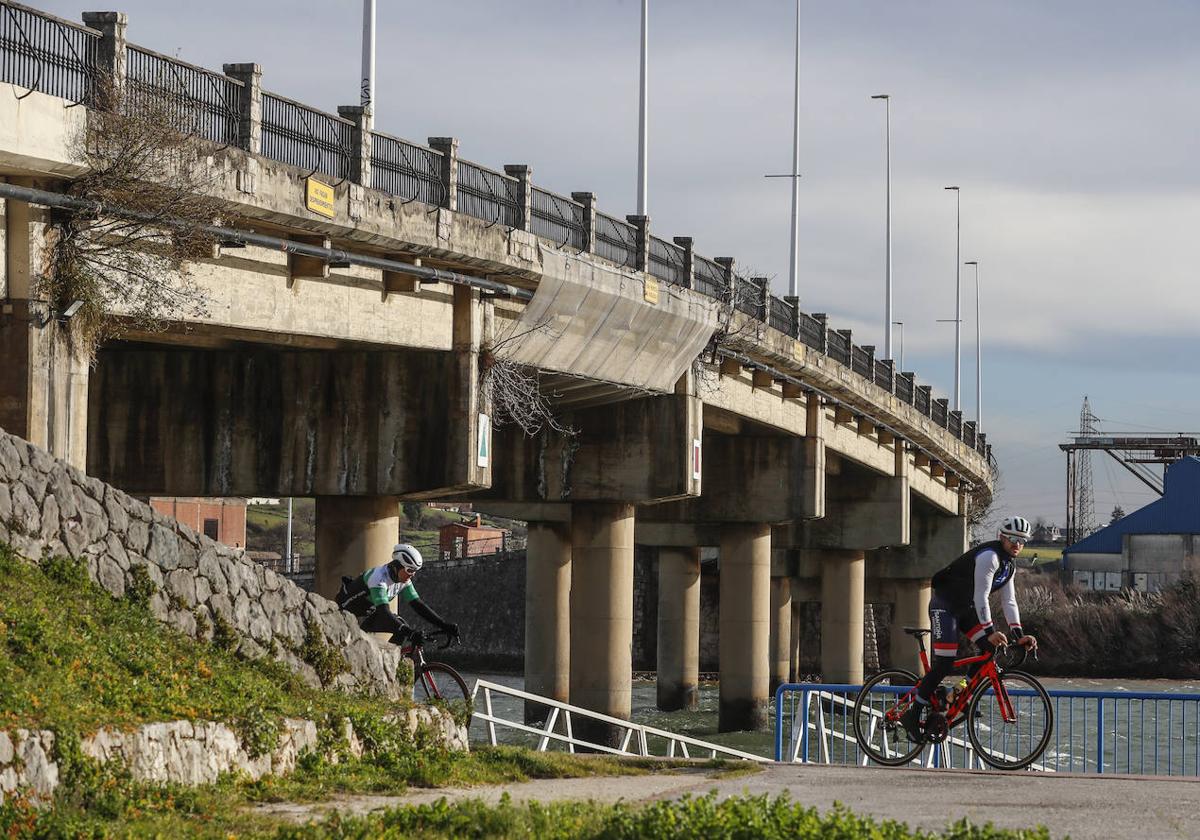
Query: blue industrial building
{"points": [[1149, 548]]}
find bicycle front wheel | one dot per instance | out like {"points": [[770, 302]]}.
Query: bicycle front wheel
{"points": [[877, 712], [438, 681], [1011, 728]]}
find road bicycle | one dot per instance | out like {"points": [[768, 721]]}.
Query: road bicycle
{"points": [[434, 680], [1008, 713]]}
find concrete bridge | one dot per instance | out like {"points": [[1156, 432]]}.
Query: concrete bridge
{"points": [[345, 351]]}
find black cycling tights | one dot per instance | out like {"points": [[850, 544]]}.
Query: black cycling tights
{"points": [[941, 668]]}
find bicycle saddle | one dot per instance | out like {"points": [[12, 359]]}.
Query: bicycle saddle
{"points": [[917, 631]]}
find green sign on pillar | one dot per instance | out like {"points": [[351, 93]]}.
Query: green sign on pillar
{"points": [[484, 450]]}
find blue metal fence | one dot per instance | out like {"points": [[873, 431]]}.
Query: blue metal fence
{"points": [[1129, 732]]}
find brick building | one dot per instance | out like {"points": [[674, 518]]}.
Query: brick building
{"points": [[223, 520]]}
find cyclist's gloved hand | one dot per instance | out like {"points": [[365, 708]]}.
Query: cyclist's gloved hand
{"points": [[451, 629], [416, 638]]}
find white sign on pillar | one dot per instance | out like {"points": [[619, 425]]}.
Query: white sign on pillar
{"points": [[696, 458], [484, 449]]}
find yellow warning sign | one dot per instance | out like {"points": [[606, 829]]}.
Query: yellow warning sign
{"points": [[651, 291], [318, 197]]}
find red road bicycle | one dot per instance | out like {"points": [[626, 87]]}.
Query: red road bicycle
{"points": [[1008, 713], [434, 680]]}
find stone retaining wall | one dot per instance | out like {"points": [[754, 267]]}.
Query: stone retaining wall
{"points": [[48, 506], [186, 752]]}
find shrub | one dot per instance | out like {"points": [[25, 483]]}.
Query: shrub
{"points": [[141, 587], [325, 659]]}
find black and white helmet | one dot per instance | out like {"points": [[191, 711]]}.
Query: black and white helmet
{"points": [[408, 557], [1016, 528]]}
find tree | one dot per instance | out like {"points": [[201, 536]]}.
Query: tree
{"points": [[128, 266], [412, 512], [1117, 513]]}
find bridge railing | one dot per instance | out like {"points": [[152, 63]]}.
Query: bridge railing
{"points": [[1144, 733], [46, 54], [59, 58]]}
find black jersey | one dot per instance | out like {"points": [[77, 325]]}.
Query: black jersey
{"points": [[968, 581]]}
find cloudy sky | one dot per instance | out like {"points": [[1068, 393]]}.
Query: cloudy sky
{"points": [[1070, 126]]}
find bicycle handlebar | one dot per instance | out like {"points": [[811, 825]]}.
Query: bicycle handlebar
{"points": [[431, 635]]}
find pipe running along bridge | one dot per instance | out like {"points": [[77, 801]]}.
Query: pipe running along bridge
{"points": [[348, 331]]}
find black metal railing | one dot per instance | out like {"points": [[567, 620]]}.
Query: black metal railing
{"points": [[883, 374], [305, 137], [46, 54], [709, 278], [860, 362], [666, 261], [904, 387], [194, 100], [559, 219], [811, 331], [937, 412], [748, 296], [406, 170], [781, 315], [489, 195], [921, 400], [616, 241], [838, 346]]}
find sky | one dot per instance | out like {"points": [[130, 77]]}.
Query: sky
{"points": [[1070, 127]]}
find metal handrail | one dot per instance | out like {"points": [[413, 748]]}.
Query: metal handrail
{"points": [[633, 732], [616, 241], [709, 278], [72, 65], [407, 170], [488, 195], [666, 261], [204, 103], [558, 219], [304, 137]]}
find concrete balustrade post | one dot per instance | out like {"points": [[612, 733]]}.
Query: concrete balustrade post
{"points": [[823, 319], [249, 105], [678, 629], [601, 615], [524, 175], [842, 597], [781, 631], [448, 146], [763, 304], [354, 534], [794, 302], [689, 260], [547, 615], [588, 200], [728, 263], [641, 226], [361, 142], [110, 56], [745, 627]]}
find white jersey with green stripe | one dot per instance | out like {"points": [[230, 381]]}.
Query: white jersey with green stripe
{"points": [[382, 589]]}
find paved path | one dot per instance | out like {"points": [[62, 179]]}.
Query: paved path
{"points": [[1085, 807]]}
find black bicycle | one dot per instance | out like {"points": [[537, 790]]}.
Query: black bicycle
{"points": [[434, 680]]}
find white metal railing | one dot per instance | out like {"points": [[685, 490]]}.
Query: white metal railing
{"points": [[635, 734]]}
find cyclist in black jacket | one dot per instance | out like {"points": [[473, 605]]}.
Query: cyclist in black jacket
{"points": [[960, 603]]}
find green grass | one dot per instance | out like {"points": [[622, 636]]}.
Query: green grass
{"points": [[73, 657], [1043, 553]]}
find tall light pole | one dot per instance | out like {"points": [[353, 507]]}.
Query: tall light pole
{"points": [[643, 123], [900, 324], [367, 88], [887, 308], [957, 298], [793, 249], [978, 357]]}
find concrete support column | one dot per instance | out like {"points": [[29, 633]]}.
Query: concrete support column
{"points": [[601, 614], [249, 105], [911, 609], [547, 615], [354, 533], [781, 631], [745, 626], [678, 629], [842, 593]]}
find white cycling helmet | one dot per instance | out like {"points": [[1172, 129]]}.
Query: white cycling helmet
{"points": [[407, 557], [1016, 527]]}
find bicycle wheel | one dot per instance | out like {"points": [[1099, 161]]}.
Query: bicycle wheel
{"points": [[439, 681], [877, 712], [1010, 732]]}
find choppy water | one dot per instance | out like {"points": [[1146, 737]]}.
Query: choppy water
{"points": [[702, 724]]}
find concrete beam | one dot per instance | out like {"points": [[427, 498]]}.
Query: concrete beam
{"points": [[863, 510], [935, 540]]}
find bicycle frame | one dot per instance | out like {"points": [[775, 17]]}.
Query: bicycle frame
{"points": [[956, 712]]}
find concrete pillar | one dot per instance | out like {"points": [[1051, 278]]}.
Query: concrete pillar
{"points": [[249, 105], [588, 200], [354, 533], [524, 175], [111, 56], [781, 631], [362, 142], [796, 627], [689, 260], [842, 593], [448, 146], [678, 629], [547, 614], [745, 627], [601, 614], [910, 609], [641, 226]]}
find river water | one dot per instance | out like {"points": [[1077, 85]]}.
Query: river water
{"points": [[702, 723]]}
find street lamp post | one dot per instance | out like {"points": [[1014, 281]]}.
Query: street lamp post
{"points": [[643, 121], [957, 298], [887, 307], [367, 87], [793, 248], [900, 324], [978, 357]]}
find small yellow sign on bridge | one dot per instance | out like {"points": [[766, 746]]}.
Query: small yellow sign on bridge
{"points": [[318, 197], [650, 292]]}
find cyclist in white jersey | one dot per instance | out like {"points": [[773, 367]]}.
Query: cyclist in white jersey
{"points": [[369, 596]]}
